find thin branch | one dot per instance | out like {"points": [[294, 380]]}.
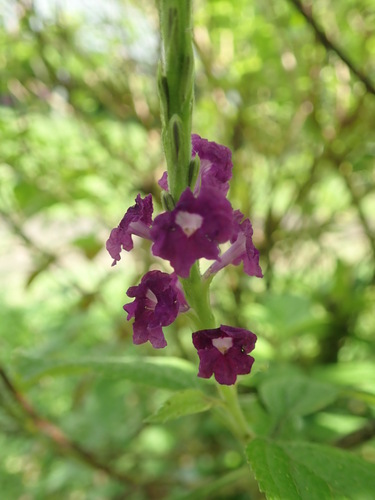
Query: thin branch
{"points": [[330, 45], [356, 200], [357, 437], [18, 230], [49, 258], [58, 437]]}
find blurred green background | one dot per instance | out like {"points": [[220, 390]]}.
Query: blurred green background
{"points": [[80, 137]]}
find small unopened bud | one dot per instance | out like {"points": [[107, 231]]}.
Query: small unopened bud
{"points": [[194, 167], [163, 93], [186, 76], [172, 17], [176, 135], [167, 201]]}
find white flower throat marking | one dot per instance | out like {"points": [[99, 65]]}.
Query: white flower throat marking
{"points": [[223, 344], [152, 300], [188, 222]]}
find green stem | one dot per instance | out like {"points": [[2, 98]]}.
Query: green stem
{"points": [[237, 419], [176, 90], [198, 297]]}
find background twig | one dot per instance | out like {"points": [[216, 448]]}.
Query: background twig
{"points": [[330, 45], [51, 431]]}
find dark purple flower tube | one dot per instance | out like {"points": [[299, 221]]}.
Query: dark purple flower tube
{"points": [[241, 250], [137, 221], [158, 301], [193, 229], [215, 166], [223, 352]]}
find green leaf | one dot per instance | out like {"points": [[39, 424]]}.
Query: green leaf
{"points": [[181, 404], [352, 373], [306, 471], [167, 373], [296, 395], [290, 315], [258, 418]]}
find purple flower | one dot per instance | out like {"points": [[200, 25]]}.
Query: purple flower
{"points": [[193, 229], [158, 301], [137, 220], [241, 250], [224, 353], [215, 166]]}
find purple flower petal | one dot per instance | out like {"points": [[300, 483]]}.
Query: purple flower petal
{"points": [[137, 220], [216, 164], [158, 301], [183, 305], [193, 229], [163, 181], [242, 250], [223, 352]]}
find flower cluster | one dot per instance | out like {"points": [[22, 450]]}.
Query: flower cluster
{"points": [[201, 220]]}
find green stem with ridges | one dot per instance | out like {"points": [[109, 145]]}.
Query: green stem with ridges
{"points": [[176, 90], [198, 297]]}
